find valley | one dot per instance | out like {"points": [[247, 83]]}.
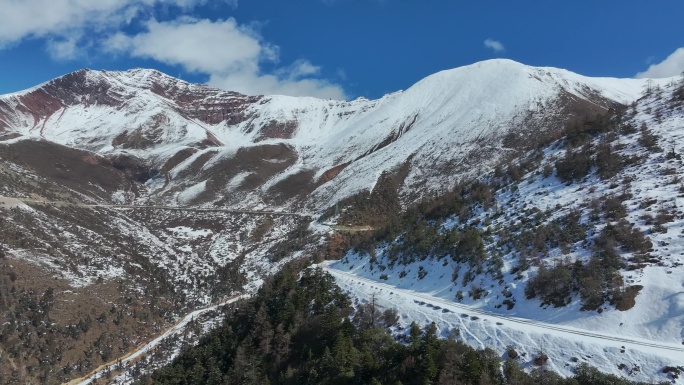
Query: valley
{"points": [[522, 206], [14, 202]]}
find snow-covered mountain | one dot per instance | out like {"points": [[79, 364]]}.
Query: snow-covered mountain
{"points": [[122, 188], [597, 253], [217, 146]]}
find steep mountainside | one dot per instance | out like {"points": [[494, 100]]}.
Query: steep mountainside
{"points": [[580, 237], [137, 197], [194, 144]]}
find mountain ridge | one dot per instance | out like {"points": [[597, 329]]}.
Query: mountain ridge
{"points": [[157, 120], [485, 152]]}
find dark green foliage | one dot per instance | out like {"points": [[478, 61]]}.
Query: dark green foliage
{"points": [[575, 165], [514, 172], [421, 235], [554, 286], [587, 375], [581, 134], [462, 199], [628, 129], [464, 245], [419, 226], [678, 93], [613, 208], [257, 341], [423, 239], [598, 280], [470, 248], [571, 230], [537, 239], [608, 162], [419, 231], [374, 208], [629, 238], [662, 217], [293, 240], [576, 136], [297, 332], [547, 170], [581, 154], [648, 139]]}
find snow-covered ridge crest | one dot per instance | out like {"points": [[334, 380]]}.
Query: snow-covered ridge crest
{"points": [[148, 141], [337, 148]]}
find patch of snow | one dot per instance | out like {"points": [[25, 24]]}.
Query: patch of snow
{"points": [[237, 180], [184, 232], [191, 193]]}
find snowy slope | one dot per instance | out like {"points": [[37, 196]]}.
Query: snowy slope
{"points": [[438, 121], [652, 186], [565, 345], [441, 126], [142, 138]]}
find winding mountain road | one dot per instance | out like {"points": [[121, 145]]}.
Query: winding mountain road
{"points": [[12, 202], [668, 349], [138, 352]]}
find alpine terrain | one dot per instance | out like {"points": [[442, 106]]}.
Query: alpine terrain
{"points": [[522, 209]]}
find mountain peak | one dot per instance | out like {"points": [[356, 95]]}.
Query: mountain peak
{"points": [[498, 62], [83, 79]]}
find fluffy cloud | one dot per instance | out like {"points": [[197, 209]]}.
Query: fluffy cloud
{"points": [[253, 83], [673, 65], [495, 45], [41, 18], [198, 45], [229, 53], [65, 48]]}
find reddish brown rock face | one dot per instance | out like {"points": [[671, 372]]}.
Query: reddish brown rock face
{"points": [[91, 88], [278, 130], [5, 109], [39, 104], [330, 174], [70, 89], [208, 105]]}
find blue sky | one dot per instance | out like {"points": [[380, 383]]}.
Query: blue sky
{"points": [[333, 48]]}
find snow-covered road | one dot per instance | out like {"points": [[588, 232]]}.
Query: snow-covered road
{"points": [[10, 202], [132, 356], [564, 345]]}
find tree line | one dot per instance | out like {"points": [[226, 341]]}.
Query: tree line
{"points": [[302, 329]]}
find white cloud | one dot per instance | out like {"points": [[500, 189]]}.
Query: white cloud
{"points": [[64, 49], [39, 18], [253, 83], [299, 69], [673, 65], [341, 73], [229, 53], [21, 19], [496, 45], [198, 45]]}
